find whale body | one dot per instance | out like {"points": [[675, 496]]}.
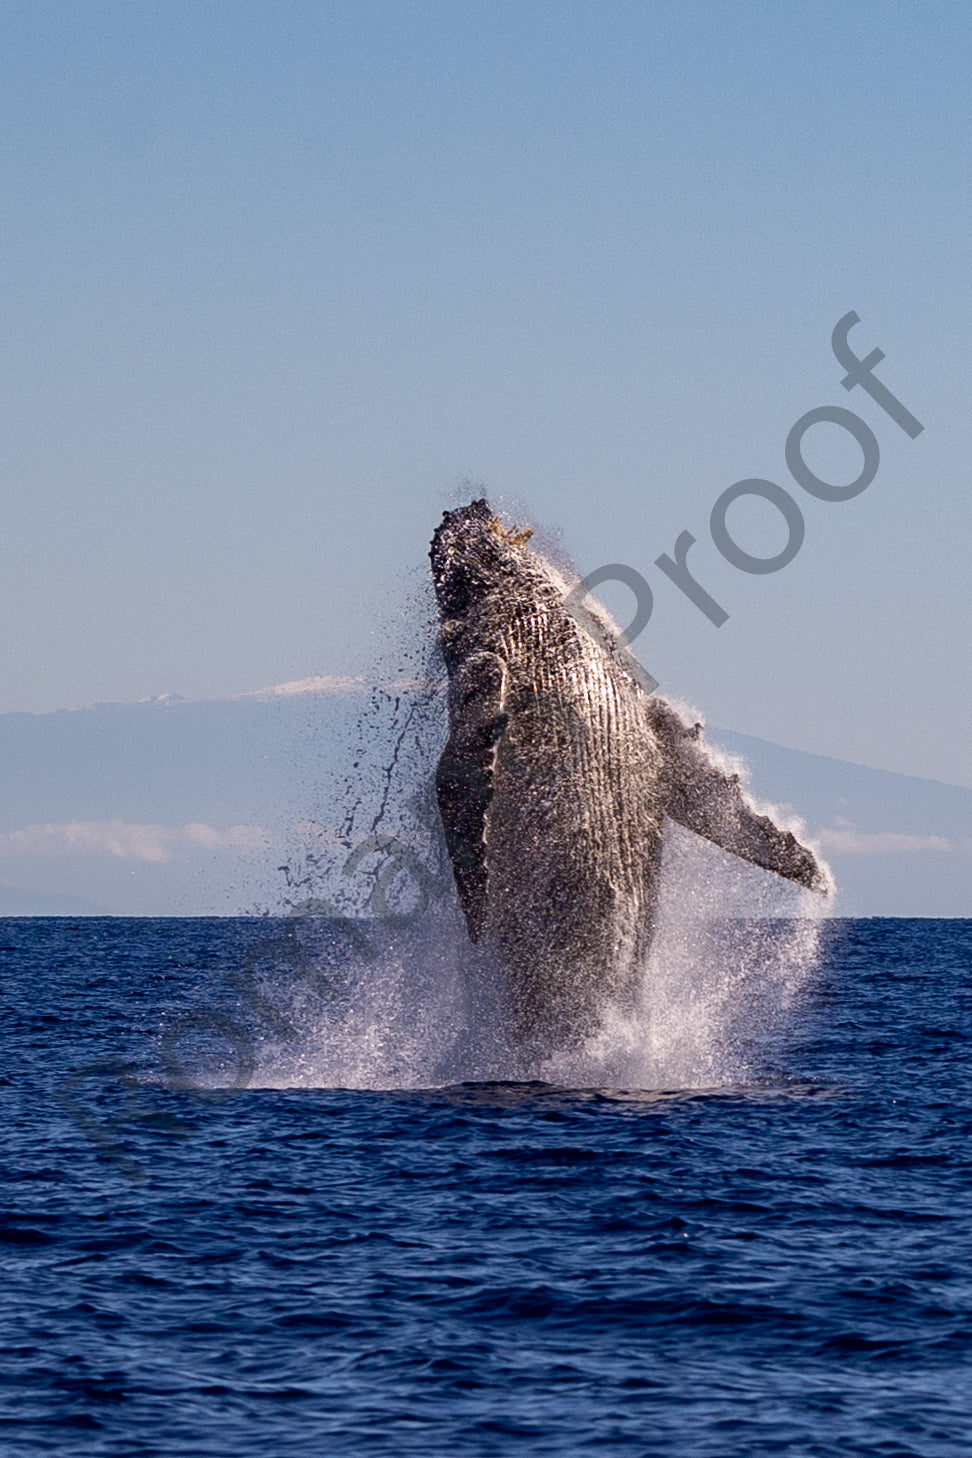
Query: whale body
{"points": [[554, 783]]}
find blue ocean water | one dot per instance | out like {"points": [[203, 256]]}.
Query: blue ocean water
{"points": [[771, 1259]]}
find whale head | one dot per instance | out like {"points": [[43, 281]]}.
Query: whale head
{"points": [[471, 553]]}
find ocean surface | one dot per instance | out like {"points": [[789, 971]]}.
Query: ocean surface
{"points": [[248, 1210]]}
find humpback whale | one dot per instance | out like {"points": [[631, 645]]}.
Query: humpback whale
{"points": [[554, 783]]}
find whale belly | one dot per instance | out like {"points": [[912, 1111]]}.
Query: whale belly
{"points": [[573, 846]]}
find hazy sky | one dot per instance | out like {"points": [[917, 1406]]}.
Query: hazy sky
{"points": [[277, 278]]}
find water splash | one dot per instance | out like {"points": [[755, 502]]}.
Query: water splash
{"points": [[420, 1006]]}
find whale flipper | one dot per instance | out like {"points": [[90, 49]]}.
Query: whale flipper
{"points": [[704, 798], [464, 778]]}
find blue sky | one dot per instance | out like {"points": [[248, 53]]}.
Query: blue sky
{"points": [[278, 279]]}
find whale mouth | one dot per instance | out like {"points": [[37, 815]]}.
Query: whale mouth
{"points": [[461, 532], [455, 521], [467, 554]]}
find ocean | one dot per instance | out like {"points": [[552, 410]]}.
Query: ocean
{"points": [[248, 1210]]}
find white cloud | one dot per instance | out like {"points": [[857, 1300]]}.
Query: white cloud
{"points": [[238, 837], [845, 840], [318, 684], [330, 684], [127, 840]]}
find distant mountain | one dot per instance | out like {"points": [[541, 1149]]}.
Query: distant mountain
{"points": [[898, 845], [41, 903], [170, 807], [176, 807]]}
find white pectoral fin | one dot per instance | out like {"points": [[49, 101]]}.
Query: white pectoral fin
{"points": [[464, 778], [704, 798]]}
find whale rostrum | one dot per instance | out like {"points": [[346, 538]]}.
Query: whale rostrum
{"points": [[554, 783]]}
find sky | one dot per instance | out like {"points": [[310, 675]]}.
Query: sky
{"points": [[281, 283]]}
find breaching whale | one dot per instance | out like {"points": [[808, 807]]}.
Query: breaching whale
{"points": [[554, 783]]}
